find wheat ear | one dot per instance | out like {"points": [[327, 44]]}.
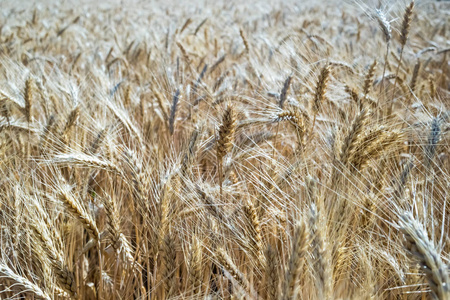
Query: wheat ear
{"points": [[195, 265], [351, 139], [406, 24], [352, 92], [24, 284], [71, 121], [320, 255], [283, 94], [225, 139], [244, 40], [226, 262], [298, 251], [433, 139], [298, 121], [387, 33], [79, 213], [64, 277], [271, 278], [118, 240], [415, 75], [320, 90], [368, 80], [425, 253], [169, 265], [255, 231]]}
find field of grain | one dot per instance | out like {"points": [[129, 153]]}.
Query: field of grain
{"points": [[224, 150]]}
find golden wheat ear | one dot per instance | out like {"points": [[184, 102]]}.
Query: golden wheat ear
{"points": [[406, 24], [299, 245], [195, 265], [320, 255], [352, 138], [421, 249], [225, 139], [78, 212], [169, 266], [254, 228], [319, 93], [244, 40], [225, 261], [29, 97], [385, 26], [368, 80], [22, 283], [118, 239], [271, 273]]}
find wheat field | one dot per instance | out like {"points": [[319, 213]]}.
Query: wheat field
{"points": [[224, 150]]}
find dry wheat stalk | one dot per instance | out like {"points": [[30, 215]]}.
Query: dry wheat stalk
{"points": [[384, 24], [213, 208], [137, 179], [16, 126], [85, 160], [217, 64], [385, 27], [100, 138], [433, 139], [298, 120], [160, 100], [226, 133]]}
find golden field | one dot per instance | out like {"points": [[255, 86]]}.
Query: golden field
{"points": [[224, 150]]}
